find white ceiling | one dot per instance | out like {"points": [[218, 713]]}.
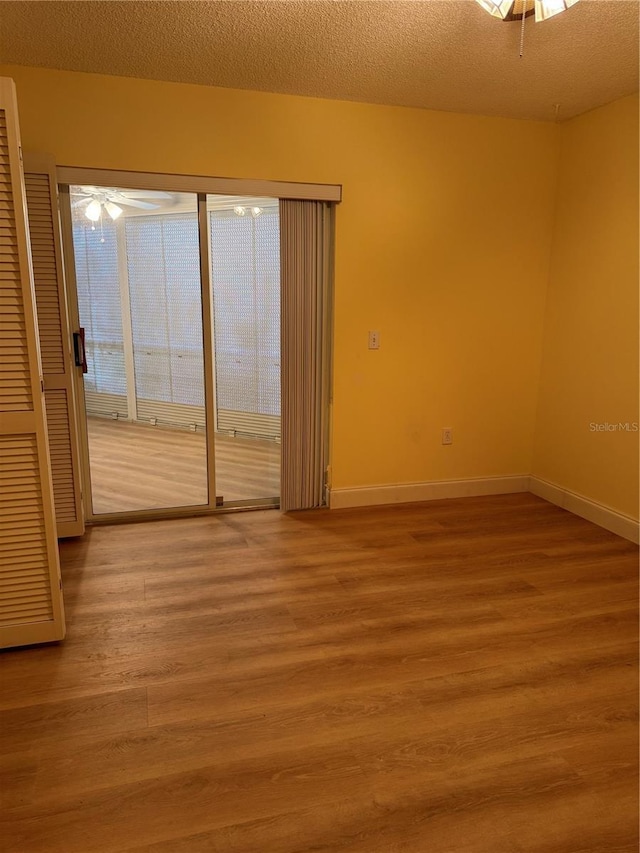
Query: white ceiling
{"points": [[436, 54]]}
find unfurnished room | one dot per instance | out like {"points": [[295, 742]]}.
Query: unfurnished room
{"points": [[319, 422]]}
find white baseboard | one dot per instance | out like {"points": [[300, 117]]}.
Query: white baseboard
{"points": [[599, 514], [436, 490], [616, 522]]}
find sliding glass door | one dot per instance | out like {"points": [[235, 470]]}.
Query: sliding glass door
{"points": [[139, 303], [178, 302]]}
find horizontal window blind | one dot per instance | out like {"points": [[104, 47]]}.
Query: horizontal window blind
{"points": [[245, 274], [159, 268], [163, 268], [98, 284]]}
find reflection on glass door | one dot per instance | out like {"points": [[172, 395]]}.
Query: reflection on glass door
{"points": [[244, 248], [137, 267]]}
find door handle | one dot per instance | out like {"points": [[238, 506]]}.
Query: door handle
{"points": [[79, 351]]}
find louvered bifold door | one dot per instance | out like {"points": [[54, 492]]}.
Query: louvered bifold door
{"points": [[55, 341], [31, 608]]}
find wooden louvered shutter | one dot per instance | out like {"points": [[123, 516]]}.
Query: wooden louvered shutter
{"points": [[55, 342], [31, 609]]}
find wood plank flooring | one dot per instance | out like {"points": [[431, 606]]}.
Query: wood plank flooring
{"points": [[451, 677], [138, 466]]}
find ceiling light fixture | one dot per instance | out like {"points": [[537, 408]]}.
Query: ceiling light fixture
{"points": [[512, 10], [99, 199], [242, 211], [520, 10], [93, 210], [112, 209]]}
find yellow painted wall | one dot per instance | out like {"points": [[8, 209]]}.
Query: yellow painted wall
{"points": [[590, 364], [443, 245]]}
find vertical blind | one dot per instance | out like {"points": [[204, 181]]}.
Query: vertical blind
{"points": [[305, 247]]}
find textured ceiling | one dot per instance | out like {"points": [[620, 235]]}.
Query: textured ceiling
{"points": [[436, 54]]}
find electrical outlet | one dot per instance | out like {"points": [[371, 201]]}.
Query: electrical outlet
{"points": [[447, 435], [374, 340]]}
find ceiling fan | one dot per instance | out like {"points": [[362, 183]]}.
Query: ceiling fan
{"points": [[112, 200]]}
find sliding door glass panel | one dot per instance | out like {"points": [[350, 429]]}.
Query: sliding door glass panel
{"points": [[140, 304], [245, 276]]}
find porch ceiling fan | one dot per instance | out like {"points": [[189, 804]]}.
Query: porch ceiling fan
{"points": [[113, 200]]}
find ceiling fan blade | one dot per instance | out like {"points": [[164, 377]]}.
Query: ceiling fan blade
{"points": [[143, 194], [134, 202], [81, 201], [83, 190]]}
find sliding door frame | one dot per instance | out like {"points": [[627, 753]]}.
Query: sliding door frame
{"points": [[125, 311], [209, 385], [68, 254], [198, 184], [201, 186], [208, 346]]}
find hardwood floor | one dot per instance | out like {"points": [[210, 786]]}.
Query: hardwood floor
{"points": [[138, 466], [451, 677]]}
